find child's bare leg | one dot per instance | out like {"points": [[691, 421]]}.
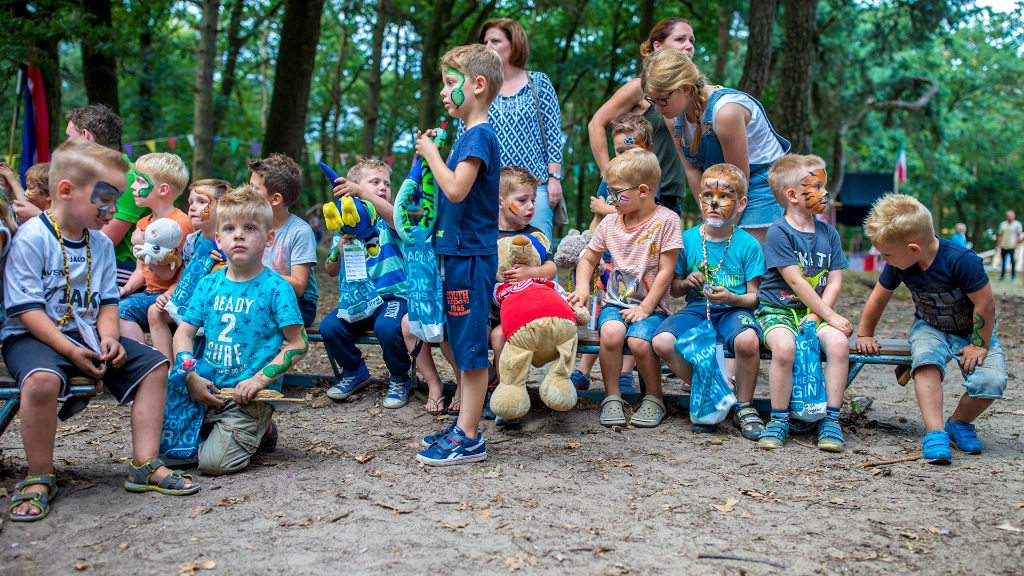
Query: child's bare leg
{"points": [[38, 430], [837, 352], [160, 331], [748, 359], [649, 365], [132, 330], [613, 336], [780, 377], [970, 408], [928, 387], [446, 350], [148, 421], [474, 393], [665, 347], [425, 364], [497, 344], [628, 363], [587, 364]]}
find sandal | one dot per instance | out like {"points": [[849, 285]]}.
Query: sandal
{"points": [[40, 500], [774, 435], [173, 483], [434, 406], [748, 421], [650, 413], [612, 412], [454, 407], [830, 436]]}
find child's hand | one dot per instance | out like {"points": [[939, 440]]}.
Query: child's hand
{"points": [[971, 357], [631, 315], [811, 317], [868, 345], [247, 389], [162, 301], [695, 281], [216, 257], [7, 175], [345, 187], [425, 145], [89, 362], [600, 207], [24, 210], [113, 352], [578, 298], [720, 295], [334, 254], [202, 390], [515, 274], [841, 324]]}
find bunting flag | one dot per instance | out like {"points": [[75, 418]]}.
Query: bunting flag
{"points": [[233, 144], [214, 139], [191, 140], [344, 159], [128, 150], [317, 155], [35, 142], [151, 146], [390, 160], [172, 141], [900, 173], [256, 149]]}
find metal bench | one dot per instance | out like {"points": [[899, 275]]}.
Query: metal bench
{"points": [[81, 391]]}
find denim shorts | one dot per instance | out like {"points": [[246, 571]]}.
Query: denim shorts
{"points": [[728, 323], [135, 307], [930, 346], [762, 208], [644, 329]]}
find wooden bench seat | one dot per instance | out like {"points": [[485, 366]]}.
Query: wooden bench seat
{"points": [[81, 389]]}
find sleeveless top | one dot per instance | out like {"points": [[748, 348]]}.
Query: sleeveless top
{"points": [[673, 176]]}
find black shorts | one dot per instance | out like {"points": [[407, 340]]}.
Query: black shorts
{"points": [[25, 355]]}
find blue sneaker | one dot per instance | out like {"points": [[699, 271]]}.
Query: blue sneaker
{"points": [[398, 392], [627, 384], [351, 382], [964, 436], [431, 439], [936, 447], [580, 380], [454, 448]]}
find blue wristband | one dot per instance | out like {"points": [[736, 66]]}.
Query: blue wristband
{"points": [[180, 359]]}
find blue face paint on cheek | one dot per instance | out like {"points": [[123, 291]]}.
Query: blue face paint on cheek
{"points": [[104, 194]]}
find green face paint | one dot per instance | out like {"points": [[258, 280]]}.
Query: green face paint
{"points": [[143, 192], [458, 96], [273, 371]]}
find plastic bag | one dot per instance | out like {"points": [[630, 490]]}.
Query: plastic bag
{"points": [[179, 440], [710, 395], [808, 401], [423, 285], [357, 299]]}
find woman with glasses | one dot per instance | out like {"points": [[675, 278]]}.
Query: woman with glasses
{"points": [[675, 34], [722, 125]]}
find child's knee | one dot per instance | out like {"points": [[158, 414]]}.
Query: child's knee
{"points": [[783, 347], [664, 345], [41, 386], [640, 347], [226, 451], [747, 344], [612, 334]]}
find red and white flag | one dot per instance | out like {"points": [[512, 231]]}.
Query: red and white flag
{"points": [[901, 165]]}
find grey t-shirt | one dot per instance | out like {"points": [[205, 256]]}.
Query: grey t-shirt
{"points": [[815, 253], [294, 243]]}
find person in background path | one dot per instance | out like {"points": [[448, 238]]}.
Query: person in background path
{"points": [[1009, 237], [960, 234]]}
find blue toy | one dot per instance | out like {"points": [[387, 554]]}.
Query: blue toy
{"points": [[348, 215], [180, 441]]}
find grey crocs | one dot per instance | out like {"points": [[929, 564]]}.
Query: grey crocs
{"points": [[650, 413], [612, 413]]}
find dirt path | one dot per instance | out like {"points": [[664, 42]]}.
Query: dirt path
{"points": [[343, 493]]}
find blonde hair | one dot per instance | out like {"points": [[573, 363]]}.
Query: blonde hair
{"points": [[245, 203], [731, 174], [40, 174], [82, 161], [788, 170], [355, 173], [635, 164], [636, 126], [960, 227], [519, 44], [666, 71], [898, 219], [513, 178], [7, 218], [164, 167], [477, 60], [661, 31], [218, 186]]}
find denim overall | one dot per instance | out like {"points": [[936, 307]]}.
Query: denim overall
{"points": [[762, 209]]}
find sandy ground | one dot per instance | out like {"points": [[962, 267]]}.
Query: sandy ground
{"points": [[343, 494]]}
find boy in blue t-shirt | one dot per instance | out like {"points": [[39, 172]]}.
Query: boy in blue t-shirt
{"points": [[719, 270], [954, 317], [466, 237], [248, 312]]}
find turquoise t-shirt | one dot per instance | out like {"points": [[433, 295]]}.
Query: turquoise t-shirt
{"points": [[243, 322], [743, 262], [387, 267]]}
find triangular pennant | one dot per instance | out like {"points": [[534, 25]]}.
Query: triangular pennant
{"points": [[214, 139], [344, 159], [576, 170], [255, 149], [390, 160], [191, 140], [317, 155], [128, 149], [151, 145], [234, 145], [172, 141], [9, 160]]}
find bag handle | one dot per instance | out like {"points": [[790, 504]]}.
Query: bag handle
{"points": [[540, 120]]}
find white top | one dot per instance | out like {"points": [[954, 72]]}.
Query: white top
{"points": [[762, 145]]}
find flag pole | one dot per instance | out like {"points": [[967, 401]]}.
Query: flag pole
{"points": [[14, 120]]}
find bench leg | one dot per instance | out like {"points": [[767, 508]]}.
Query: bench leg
{"points": [[8, 412], [855, 368]]}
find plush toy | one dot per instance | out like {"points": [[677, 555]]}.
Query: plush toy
{"points": [[540, 327], [348, 215], [568, 254], [160, 244]]}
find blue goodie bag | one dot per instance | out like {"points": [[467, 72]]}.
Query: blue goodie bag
{"points": [[357, 298], [710, 395], [182, 417], [423, 285], [808, 400]]}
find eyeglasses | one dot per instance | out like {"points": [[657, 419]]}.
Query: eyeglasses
{"points": [[660, 101], [615, 194]]}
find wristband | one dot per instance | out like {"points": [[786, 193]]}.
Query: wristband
{"points": [[184, 362]]}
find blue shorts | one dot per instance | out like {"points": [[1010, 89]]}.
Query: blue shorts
{"points": [[728, 322], [307, 310], [930, 346], [468, 285], [135, 307], [644, 329]]}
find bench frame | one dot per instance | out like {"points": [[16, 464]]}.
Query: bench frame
{"points": [[12, 395]]}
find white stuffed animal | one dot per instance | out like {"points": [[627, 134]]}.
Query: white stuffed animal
{"points": [[161, 240]]}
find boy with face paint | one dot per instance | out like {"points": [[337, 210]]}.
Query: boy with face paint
{"points": [[804, 260], [159, 179], [196, 261], [719, 271]]}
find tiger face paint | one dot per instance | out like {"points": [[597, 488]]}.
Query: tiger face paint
{"points": [[812, 191], [718, 202], [457, 96]]}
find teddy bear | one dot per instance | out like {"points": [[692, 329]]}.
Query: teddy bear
{"points": [[160, 244], [540, 327], [568, 254]]}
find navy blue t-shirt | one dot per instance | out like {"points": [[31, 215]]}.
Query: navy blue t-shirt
{"points": [[940, 292], [470, 227]]}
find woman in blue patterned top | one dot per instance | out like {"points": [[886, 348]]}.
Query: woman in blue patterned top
{"points": [[526, 117]]}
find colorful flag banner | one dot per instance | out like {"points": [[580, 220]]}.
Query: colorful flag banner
{"points": [[344, 158], [256, 149], [234, 145], [128, 150], [191, 140], [151, 146], [317, 155], [172, 141], [901, 165]]}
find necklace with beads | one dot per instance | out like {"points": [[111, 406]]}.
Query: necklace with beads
{"points": [[68, 315], [709, 278]]}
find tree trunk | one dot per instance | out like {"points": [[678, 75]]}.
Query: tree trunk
{"points": [[757, 67], [202, 119], [371, 108], [99, 68], [725, 13], [430, 74], [264, 93], [793, 104], [286, 122], [646, 23], [235, 42]]}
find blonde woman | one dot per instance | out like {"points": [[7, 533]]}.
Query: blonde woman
{"points": [[733, 128]]}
